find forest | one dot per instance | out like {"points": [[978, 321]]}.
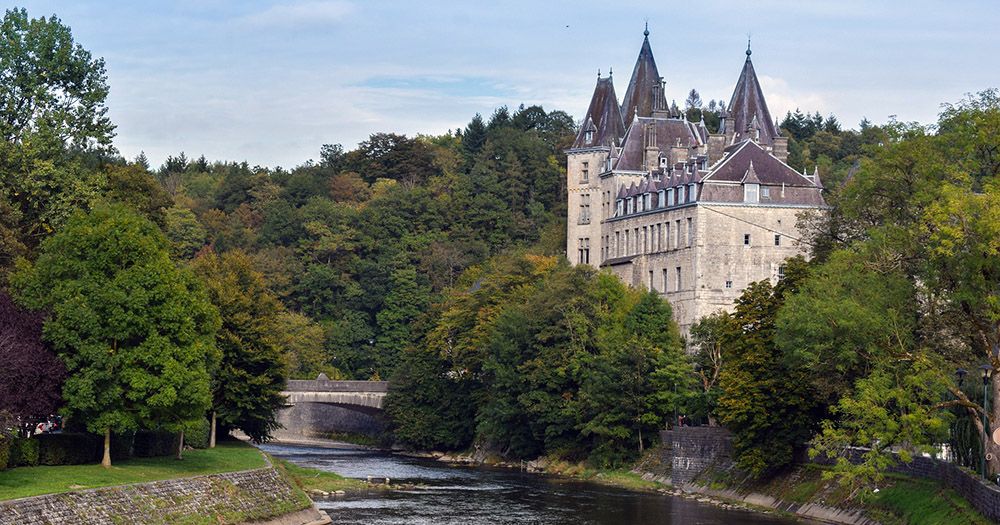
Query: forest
{"points": [[138, 296]]}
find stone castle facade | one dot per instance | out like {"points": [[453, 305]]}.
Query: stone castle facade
{"points": [[669, 206]]}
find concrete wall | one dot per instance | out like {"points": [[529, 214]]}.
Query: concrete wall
{"points": [[233, 497], [312, 420]]}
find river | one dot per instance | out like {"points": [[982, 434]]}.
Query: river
{"points": [[446, 495]]}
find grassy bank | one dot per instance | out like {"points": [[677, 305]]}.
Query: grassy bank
{"points": [[901, 501], [311, 479], [33, 481]]}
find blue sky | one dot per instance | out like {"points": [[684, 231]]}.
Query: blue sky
{"points": [[269, 82]]}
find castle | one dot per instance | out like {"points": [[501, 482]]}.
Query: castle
{"points": [[667, 205]]}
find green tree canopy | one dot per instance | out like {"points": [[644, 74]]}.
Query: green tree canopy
{"points": [[135, 331], [246, 389]]}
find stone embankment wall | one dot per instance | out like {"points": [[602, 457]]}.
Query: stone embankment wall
{"points": [[232, 497], [695, 449]]}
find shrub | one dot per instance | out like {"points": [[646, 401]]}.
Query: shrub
{"points": [[197, 436], [69, 449], [121, 445], [4, 453], [23, 453], [150, 443]]}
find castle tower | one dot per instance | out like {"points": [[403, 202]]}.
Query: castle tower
{"points": [[747, 116], [589, 157], [645, 88]]}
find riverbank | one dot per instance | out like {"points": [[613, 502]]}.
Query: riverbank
{"points": [[23, 482], [901, 500]]}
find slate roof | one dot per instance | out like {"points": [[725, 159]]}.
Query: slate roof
{"points": [[747, 109], [639, 95], [604, 118], [668, 132], [767, 169]]}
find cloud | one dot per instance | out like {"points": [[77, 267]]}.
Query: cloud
{"points": [[782, 99], [299, 14]]}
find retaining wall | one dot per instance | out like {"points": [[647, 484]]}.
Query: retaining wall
{"points": [[232, 497]]}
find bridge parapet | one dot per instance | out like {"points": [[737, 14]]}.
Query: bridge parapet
{"points": [[326, 385]]}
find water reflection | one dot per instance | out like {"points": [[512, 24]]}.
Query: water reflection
{"points": [[446, 495]]}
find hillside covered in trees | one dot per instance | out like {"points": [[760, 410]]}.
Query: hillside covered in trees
{"points": [[156, 297]]}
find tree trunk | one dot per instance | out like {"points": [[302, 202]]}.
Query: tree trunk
{"points": [[211, 435], [180, 446], [993, 466], [640, 440], [106, 462]]}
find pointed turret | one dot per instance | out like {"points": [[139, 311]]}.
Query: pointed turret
{"points": [[747, 115], [603, 125], [645, 88]]}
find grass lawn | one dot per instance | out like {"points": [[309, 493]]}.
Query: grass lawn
{"points": [[312, 479], [922, 502], [32, 481]]}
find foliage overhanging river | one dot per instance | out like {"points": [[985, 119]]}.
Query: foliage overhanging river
{"points": [[446, 495]]}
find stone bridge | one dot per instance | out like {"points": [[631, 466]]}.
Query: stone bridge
{"points": [[364, 396], [322, 408]]}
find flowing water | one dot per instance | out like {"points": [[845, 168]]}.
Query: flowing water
{"points": [[445, 495]]}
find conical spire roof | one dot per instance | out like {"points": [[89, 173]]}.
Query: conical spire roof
{"points": [[639, 98], [747, 110], [603, 124]]}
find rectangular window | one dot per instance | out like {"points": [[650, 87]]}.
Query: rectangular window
{"points": [[765, 193], [666, 238], [670, 197], [652, 287], [750, 192], [677, 233], [659, 237], [746, 239], [777, 240], [584, 209], [628, 247], [729, 284], [663, 199], [690, 232], [692, 192], [635, 235], [586, 250], [645, 239], [678, 278], [666, 281], [680, 195], [585, 173], [618, 244], [781, 272]]}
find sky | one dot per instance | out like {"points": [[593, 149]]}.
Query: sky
{"points": [[270, 82]]}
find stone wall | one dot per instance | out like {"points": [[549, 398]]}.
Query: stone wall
{"points": [[232, 497], [694, 449]]}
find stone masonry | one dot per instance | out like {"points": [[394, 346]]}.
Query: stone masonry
{"points": [[227, 498]]}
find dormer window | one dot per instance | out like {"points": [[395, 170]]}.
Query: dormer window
{"points": [[692, 192], [588, 136], [663, 199], [751, 193], [670, 197]]}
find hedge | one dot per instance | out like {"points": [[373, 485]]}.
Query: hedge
{"points": [[4, 453], [149, 444], [69, 449], [23, 453]]}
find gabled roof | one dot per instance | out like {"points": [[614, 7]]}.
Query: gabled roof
{"points": [[747, 110], [668, 132], [604, 118], [767, 169], [639, 95]]}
